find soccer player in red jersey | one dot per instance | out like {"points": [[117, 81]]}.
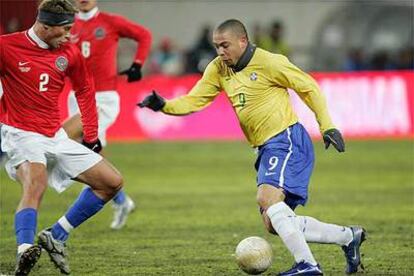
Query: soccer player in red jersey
{"points": [[33, 67], [96, 34]]}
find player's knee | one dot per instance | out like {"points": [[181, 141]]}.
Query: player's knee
{"points": [[268, 195], [118, 182], [115, 184], [263, 200]]}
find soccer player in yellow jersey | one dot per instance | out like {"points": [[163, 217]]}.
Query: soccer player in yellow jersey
{"points": [[256, 83]]}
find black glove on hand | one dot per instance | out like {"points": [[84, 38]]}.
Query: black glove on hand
{"points": [[153, 101], [94, 146], [133, 73], [334, 137]]}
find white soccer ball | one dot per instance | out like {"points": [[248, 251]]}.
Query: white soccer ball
{"points": [[254, 255]]}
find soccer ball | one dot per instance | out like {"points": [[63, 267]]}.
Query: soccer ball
{"points": [[254, 255]]}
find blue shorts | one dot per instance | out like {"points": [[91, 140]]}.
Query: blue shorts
{"points": [[286, 161]]}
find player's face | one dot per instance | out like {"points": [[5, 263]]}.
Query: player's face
{"points": [[85, 5], [55, 36], [229, 46]]}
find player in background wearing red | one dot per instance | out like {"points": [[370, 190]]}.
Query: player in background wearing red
{"points": [[97, 34], [33, 68]]}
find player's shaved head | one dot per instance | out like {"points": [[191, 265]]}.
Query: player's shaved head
{"points": [[233, 25], [58, 6], [230, 40]]}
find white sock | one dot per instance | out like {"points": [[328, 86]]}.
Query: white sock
{"points": [[320, 232], [288, 231], [21, 248], [63, 221]]}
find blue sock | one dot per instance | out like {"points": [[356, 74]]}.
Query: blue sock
{"points": [[59, 233], [120, 197], [87, 205], [25, 222]]}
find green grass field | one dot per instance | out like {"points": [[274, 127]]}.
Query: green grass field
{"points": [[196, 201]]}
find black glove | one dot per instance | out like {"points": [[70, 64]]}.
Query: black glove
{"points": [[334, 137], [153, 101], [94, 146], [134, 72]]}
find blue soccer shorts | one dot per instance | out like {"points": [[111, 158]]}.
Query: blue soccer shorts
{"points": [[286, 161]]}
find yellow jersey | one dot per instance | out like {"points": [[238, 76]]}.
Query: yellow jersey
{"points": [[258, 94]]}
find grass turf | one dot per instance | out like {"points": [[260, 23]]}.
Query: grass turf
{"points": [[196, 201]]}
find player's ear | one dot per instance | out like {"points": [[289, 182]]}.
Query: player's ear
{"points": [[243, 41]]}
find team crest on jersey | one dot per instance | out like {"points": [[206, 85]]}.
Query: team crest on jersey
{"points": [[61, 63], [99, 33], [253, 76]]}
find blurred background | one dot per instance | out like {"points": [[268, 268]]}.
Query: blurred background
{"points": [[337, 35], [352, 38]]}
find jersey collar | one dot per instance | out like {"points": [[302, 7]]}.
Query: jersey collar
{"points": [[245, 58], [31, 33], [85, 16]]}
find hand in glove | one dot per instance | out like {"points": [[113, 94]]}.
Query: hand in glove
{"points": [[133, 73], [334, 137], [95, 146], [153, 101]]}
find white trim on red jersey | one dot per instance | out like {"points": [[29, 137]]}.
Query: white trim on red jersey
{"points": [[36, 39]]}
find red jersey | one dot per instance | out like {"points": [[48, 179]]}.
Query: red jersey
{"points": [[33, 77], [97, 38]]}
